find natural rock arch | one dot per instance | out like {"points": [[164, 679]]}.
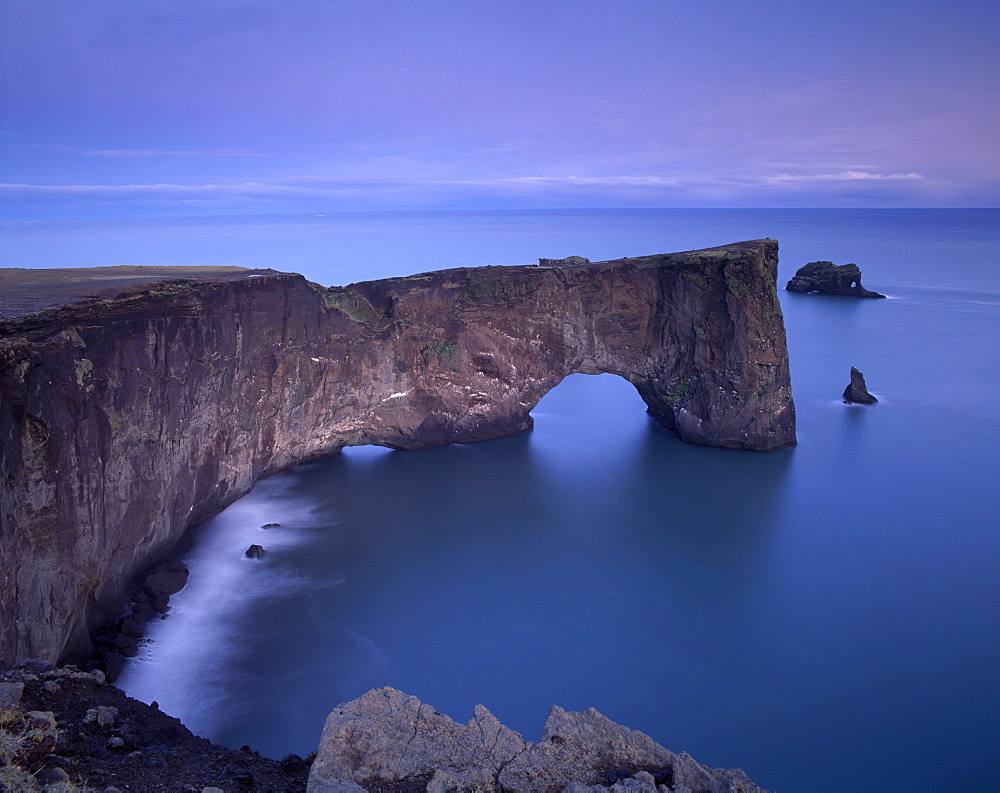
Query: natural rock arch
{"points": [[124, 421]]}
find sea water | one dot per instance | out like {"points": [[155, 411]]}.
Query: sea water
{"points": [[825, 617]]}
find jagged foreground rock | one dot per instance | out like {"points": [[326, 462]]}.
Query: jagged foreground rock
{"points": [[125, 420], [387, 737]]}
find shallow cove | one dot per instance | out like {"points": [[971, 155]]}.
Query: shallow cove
{"points": [[824, 617]]}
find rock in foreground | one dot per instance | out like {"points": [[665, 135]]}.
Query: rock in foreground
{"points": [[66, 725], [830, 279], [857, 391], [389, 740]]}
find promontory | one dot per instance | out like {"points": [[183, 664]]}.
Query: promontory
{"points": [[136, 402]]}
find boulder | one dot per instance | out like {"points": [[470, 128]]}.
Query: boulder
{"points": [[271, 526], [830, 279], [388, 736], [165, 582], [104, 715], [132, 627], [255, 552], [10, 694], [43, 720], [114, 663], [53, 776], [857, 391]]}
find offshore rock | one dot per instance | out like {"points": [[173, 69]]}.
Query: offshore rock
{"points": [[857, 391], [126, 418], [830, 279], [387, 738]]}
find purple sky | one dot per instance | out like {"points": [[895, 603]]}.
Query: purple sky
{"points": [[114, 107]]}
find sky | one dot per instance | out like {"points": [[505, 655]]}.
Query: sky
{"points": [[124, 107]]}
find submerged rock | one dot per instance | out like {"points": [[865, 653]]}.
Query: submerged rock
{"points": [[857, 391], [830, 279], [386, 739], [255, 552]]}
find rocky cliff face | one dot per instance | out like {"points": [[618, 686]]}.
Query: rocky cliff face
{"points": [[124, 421]]}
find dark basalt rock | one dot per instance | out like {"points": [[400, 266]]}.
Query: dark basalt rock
{"points": [[165, 582], [857, 391], [830, 279], [255, 552], [125, 419]]}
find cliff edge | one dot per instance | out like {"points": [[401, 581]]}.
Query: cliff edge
{"points": [[125, 419]]}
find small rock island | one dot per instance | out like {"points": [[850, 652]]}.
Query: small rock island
{"points": [[857, 390], [828, 278]]}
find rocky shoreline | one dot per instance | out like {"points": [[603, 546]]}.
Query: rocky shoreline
{"points": [[70, 727], [65, 729]]}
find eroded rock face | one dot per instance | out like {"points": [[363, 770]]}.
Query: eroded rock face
{"points": [[830, 279], [124, 421], [857, 390], [386, 737]]}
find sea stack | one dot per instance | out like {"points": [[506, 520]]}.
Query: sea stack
{"points": [[857, 391], [828, 278]]}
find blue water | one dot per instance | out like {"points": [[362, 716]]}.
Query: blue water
{"points": [[825, 617]]}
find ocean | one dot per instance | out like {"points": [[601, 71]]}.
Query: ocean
{"points": [[826, 617]]}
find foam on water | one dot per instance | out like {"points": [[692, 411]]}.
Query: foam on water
{"points": [[184, 657]]}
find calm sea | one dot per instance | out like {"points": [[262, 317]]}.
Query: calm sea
{"points": [[825, 617]]}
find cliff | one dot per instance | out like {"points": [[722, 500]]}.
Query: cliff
{"points": [[124, 419]]}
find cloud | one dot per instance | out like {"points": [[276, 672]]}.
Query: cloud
{"points": [[245, 189], [143, 152], [843, 176], [564, 181], [854, 186], [159, 153]]}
